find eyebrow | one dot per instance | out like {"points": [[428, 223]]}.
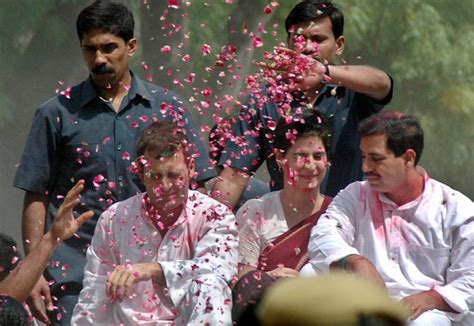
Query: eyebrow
{"points": [[310, 153]]}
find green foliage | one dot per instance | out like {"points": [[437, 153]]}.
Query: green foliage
{"points": [[426, 46]]}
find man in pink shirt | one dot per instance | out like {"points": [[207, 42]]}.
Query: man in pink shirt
{"points": [[165, 256]]}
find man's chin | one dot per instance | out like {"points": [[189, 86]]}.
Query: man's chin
{"points": [[103, 80]]}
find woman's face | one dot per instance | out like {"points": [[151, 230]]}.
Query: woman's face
{"points": [[305, 163]]}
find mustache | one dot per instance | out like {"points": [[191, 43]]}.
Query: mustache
{"points": [[104, 69], [371, 174]]}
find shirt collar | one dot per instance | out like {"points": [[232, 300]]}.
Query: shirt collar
{"points": [[137, 87], [426, 193]]}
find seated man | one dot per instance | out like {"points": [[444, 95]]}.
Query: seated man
{"points": [[401, 228], [163, 256]]}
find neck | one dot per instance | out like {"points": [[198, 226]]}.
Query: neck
{"points": [[298, 204], [313, 93], [409, 190], [117, 90]]}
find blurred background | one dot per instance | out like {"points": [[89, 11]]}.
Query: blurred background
{"points": [[427, 46]]}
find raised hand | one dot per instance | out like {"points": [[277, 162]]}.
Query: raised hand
{"points": [[65, 224]]}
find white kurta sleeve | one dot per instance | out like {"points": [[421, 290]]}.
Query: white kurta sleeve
{"points": [[332, 237], [93, 307], [249, 219], [460, 273], [215, 255]]}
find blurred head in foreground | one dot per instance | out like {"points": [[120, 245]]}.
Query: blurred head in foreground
{"points": [[330, 299]]}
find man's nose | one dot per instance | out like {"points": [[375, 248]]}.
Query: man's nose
{"points": [[365, 166], [308, 47], [99, 58]]}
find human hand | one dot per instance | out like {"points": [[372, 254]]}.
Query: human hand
{"points": [[283, 272], [304, 72], [120, 282], [40, 297], [65, 225], [424, 301]]}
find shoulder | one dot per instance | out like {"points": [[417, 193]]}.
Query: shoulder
{"points": [[159, 93], [63, 101], [357, 189], [124, 208], [459, 207], [258, 208], [198, 201]]}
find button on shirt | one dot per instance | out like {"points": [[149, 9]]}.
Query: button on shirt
{"points": [[251, 143], [79, 136], [427, 243]]}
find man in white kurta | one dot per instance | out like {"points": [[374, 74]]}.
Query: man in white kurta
{"points": [[416, 232], [196, 256]]}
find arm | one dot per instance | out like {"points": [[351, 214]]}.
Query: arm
{"points": [[215, 253], [230, 186], [332, 237], [102, 257], [19, 283], [359, 265], [363, 79], [452, 297], [33, 226]]}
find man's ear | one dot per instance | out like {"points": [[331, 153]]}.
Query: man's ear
{"points": [[280, 159], [340, 42], [191, 167], [132, 47], [410, 157]]}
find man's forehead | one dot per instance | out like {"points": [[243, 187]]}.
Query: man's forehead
{"points": [[170, 158], [101, 36], [374, 143], [317, 24]]}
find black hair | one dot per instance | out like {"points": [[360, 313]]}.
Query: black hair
{"points": [[403, 131], [108, 16], [309, 123], [9, 255], [309, 10], [163, 139]]}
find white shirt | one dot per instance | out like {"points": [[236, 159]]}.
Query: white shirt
{"points": [[203, 241], [427, 243]]}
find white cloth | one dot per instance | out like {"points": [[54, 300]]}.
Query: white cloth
{"points": [[260, 222], [198, 256], [427, 243]]}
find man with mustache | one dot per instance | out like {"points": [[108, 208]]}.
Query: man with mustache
{"points": [[400, 228], [305, 75], [89, 132]]}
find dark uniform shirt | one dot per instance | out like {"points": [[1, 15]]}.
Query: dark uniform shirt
{"points": [[251, 143], [79, 136]]}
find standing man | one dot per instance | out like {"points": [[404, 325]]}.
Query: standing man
{"points": [[89, 133], [400, 228], [345, 94], [165, 256]]}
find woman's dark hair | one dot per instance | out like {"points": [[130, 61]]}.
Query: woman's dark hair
{"points": [[310, 123]]}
